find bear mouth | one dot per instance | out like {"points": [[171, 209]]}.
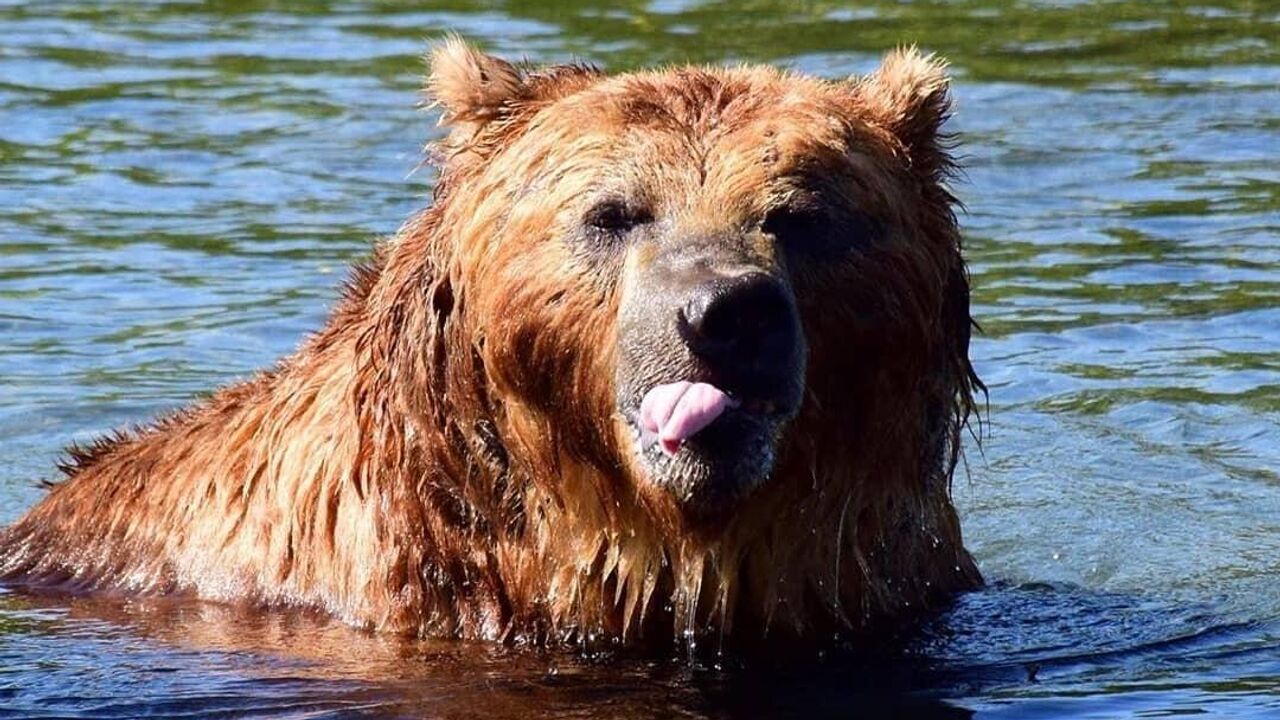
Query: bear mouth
{"points": [[706, 447]]}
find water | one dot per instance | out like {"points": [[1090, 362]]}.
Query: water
{"points": [[182, 184]]}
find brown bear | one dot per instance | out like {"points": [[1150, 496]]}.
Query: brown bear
{"points": [[671, 353]]}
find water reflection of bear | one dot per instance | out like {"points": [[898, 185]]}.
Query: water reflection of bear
{"points": [[168, 655], [673, 354]]}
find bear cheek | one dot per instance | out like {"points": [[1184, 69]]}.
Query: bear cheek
{"points": [[550, 347]]}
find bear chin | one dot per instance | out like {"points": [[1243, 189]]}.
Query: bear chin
{"points": [[715, 470]]}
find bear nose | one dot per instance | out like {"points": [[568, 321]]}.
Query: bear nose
{"points": [[745, 325]]}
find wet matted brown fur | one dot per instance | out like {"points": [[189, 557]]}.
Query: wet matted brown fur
{"points": [[452, 455]]}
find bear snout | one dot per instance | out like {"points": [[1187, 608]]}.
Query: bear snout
{"points": [[745, 329]]}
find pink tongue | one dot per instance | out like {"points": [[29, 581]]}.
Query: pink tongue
{"points": [[676, 411]]}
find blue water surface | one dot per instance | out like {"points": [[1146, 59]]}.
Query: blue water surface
{"points": [[183, 183]]}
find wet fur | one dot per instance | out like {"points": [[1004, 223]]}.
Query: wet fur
{"points": [[443, 458]]}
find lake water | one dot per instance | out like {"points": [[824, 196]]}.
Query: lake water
{"points": [[183, 183]]}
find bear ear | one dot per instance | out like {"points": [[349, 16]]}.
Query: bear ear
{"points": [[472, 87], [908, 95]]}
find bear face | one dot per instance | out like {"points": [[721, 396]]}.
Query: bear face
{"points": [[743, 260]]}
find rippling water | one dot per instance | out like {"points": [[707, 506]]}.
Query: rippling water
{"points": [[182, 184]]}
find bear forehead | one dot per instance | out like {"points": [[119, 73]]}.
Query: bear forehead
{"points": [[733, 132], [712, 106]]}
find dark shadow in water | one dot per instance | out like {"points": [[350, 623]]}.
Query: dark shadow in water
{"points": [[79, 657], [891, 690]]}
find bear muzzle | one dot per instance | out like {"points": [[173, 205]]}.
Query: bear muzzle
{"points": [[711, 373]]}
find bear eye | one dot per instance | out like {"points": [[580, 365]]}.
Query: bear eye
{"points": [[616, 217], [794, 225], [819, 232]]}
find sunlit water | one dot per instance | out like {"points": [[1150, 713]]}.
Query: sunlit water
{"points": [[182, 184]]}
